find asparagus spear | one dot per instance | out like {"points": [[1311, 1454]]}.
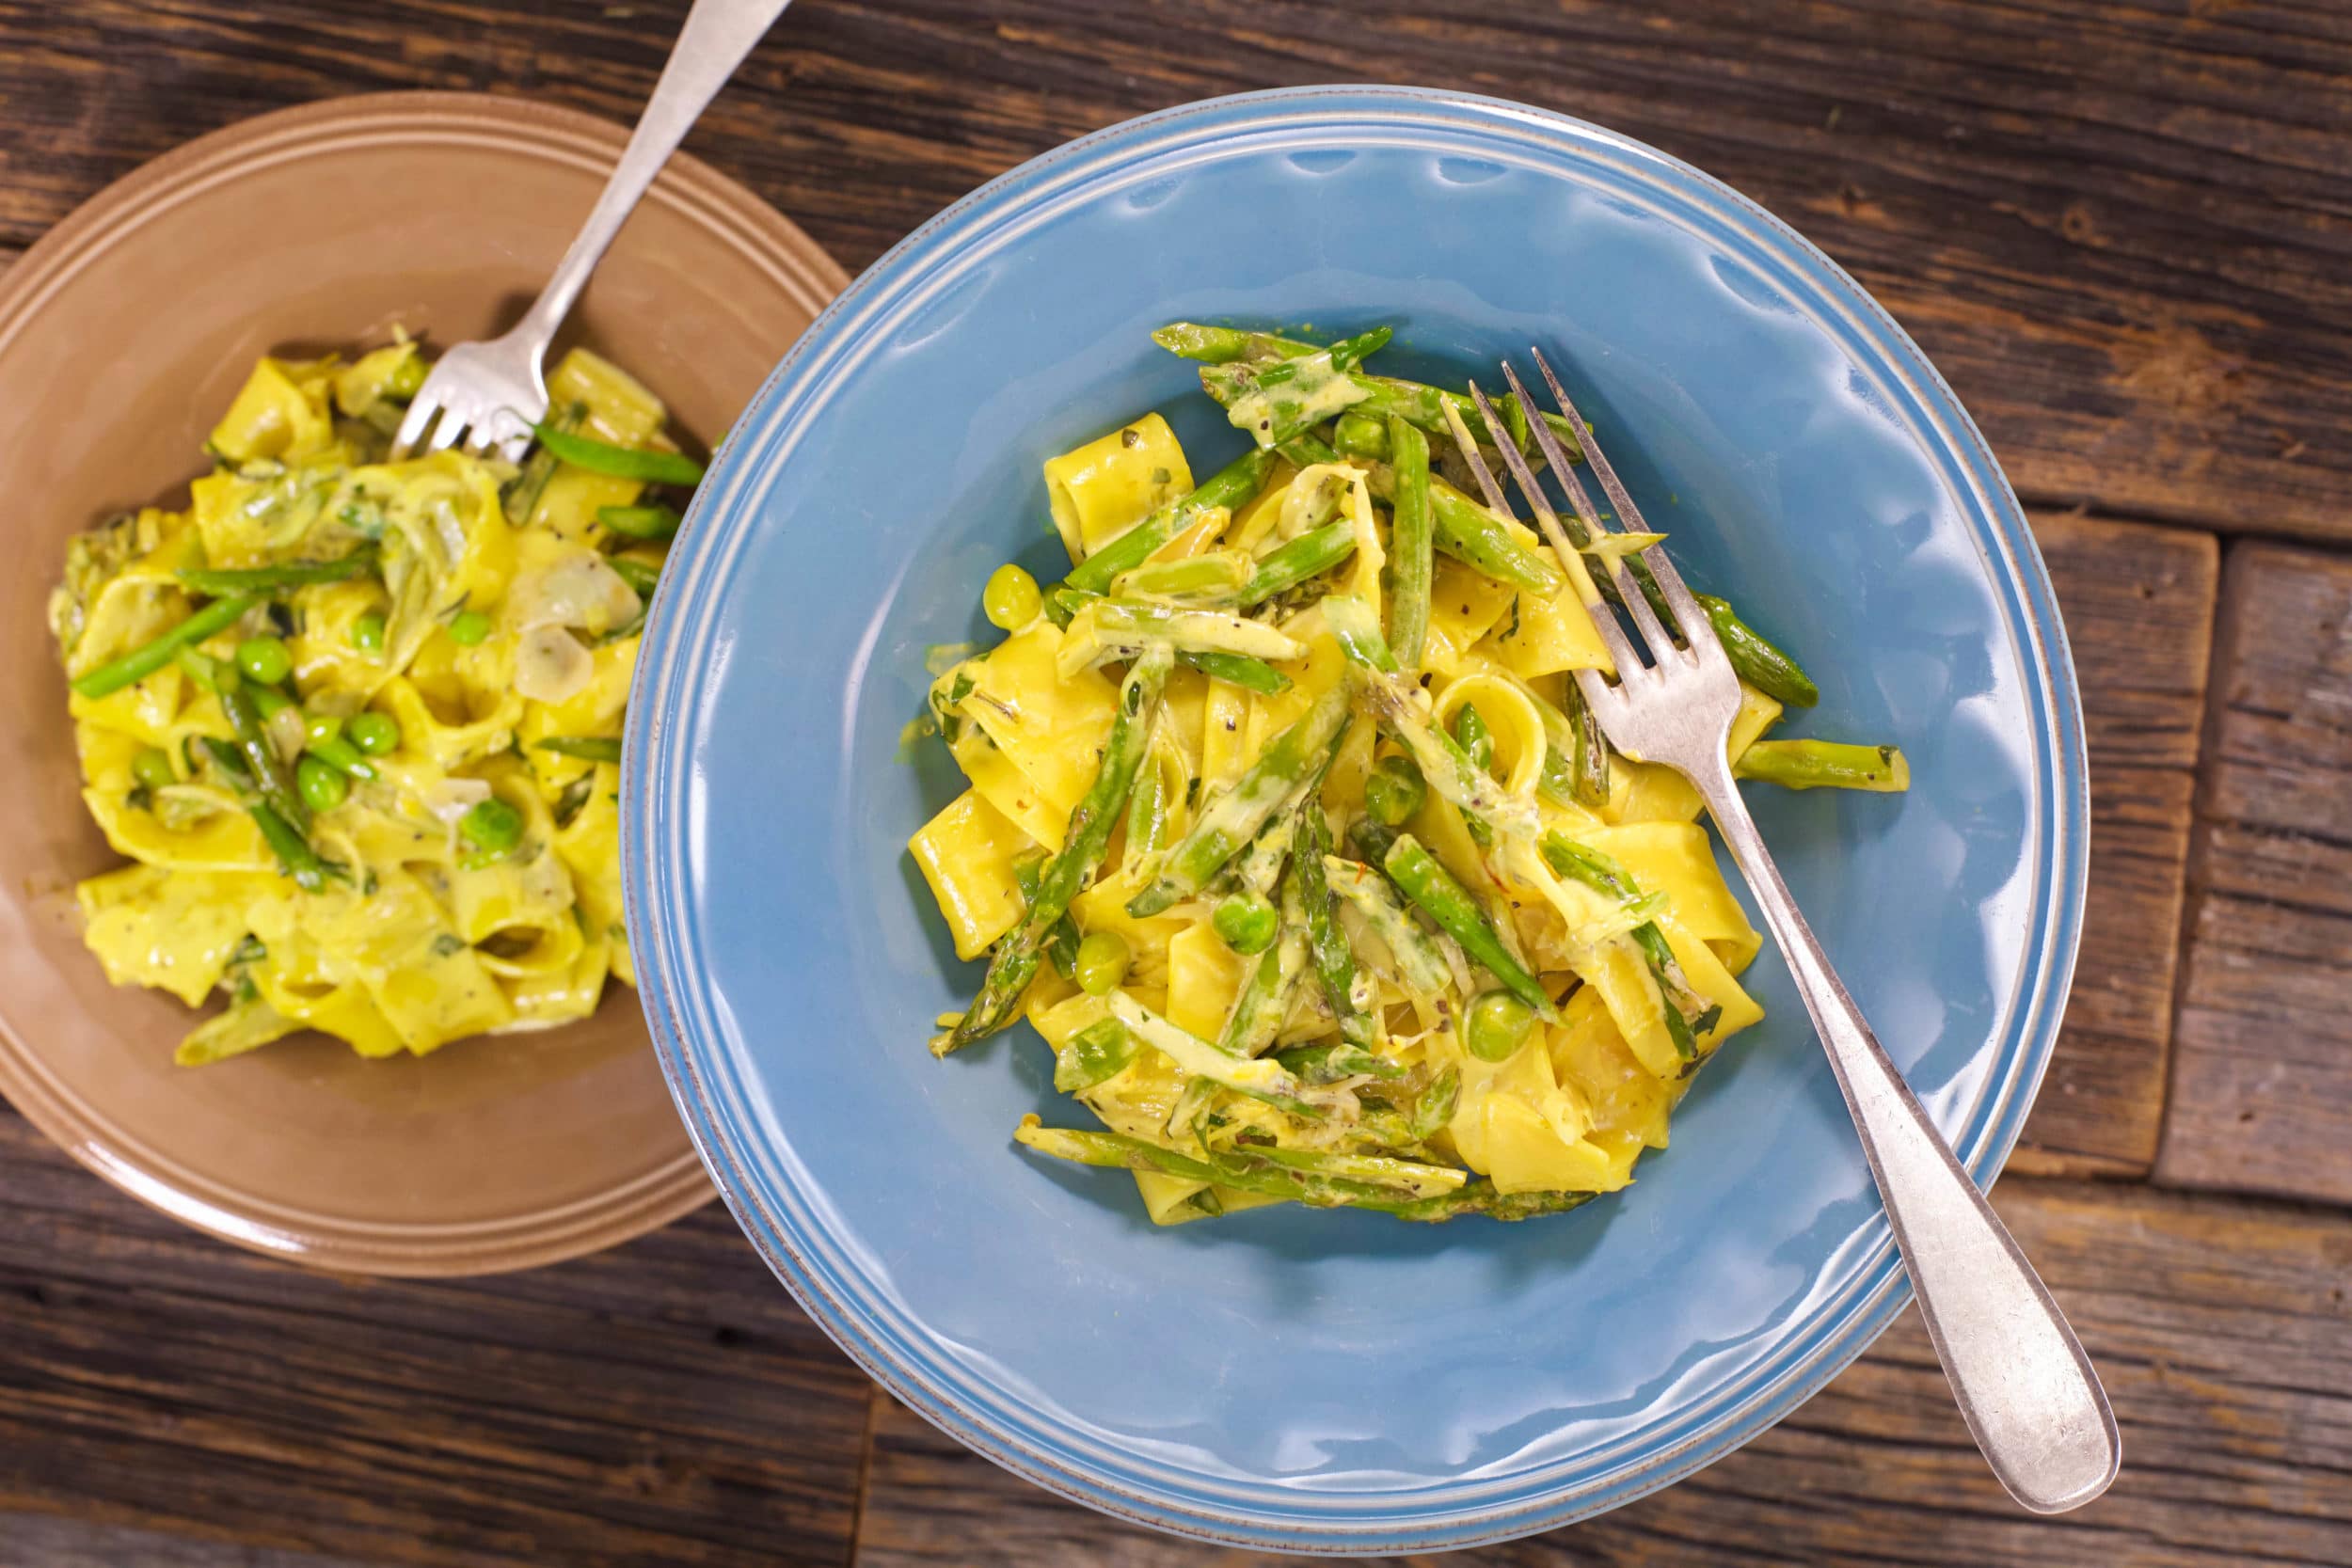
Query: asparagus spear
{"points": [[1311, 553], [1360, 435], [1334, 960], [1063, 602], [637, 574], [1424, 407], [1479, 1197], [229, 582], [1229, 486], [1434, 1107], [270, 775], [1688, 1015], [1222, 346], [295, 855], [1234, 818], [1419, 966], [1478, 744], [1395, 702], [1382, 396], [1275, 401], [148, 657], [1061, 943], [1115, 628], [1825, 765], [1333, 1060], [1588, 752], [1264, 998], [1411, 537], [1254, 674], [1259, 864], [1014, 963], [602, 457], [1215, 579], [1096, 1055], [1259, 1078], [586, 748], [652, 521], [1761, 664], [1476, 537], [1247, 1169], [1305, 450], [1433, 889], [1461, 527]]}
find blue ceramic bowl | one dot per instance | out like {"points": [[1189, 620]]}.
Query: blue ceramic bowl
{"points": [[1331, 1380]]}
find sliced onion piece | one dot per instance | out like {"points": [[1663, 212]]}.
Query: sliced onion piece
{"points": [[550, 666]]}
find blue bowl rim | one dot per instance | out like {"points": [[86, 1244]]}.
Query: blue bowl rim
{"points": [[720, 1116]]}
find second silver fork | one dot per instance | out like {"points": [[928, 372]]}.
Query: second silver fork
{"points": [[2024, 1386], [488, 395]]}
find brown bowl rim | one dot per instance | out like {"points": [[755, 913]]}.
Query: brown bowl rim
{"points": [[733, 214]]}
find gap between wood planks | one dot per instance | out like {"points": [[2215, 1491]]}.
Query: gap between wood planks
{"points": [[2144, 665], [2231, 1384]]}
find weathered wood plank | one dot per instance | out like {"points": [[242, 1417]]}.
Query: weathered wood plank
{"points": [[2221, 1326], [55, 1541], [2119, 226], [2138, 604], [2262, 1084], [662, 1403]]}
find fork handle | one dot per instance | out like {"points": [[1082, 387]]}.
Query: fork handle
{"points": [[2024, 1386], [717, 36]]}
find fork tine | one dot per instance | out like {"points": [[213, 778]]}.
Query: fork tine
{"points": [[1628, 513], [1685, 604], [1463, 441], [445, 434], [1613, 636], [1620, 651], [1579, 500], [1661, 642], [422, 408], [1553, 531]]}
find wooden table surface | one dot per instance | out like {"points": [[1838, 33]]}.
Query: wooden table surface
{"points": [[2123, 231]]}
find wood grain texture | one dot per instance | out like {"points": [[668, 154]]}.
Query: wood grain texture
{"points": [[2221, 1327], [2139, 605], [662, 1403], [2120, 227], [2262, 1081], [58, 1541]]}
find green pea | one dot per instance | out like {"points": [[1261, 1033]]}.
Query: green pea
{"points": [[152, 768], [470, 628], [1498, 1025], [323, 787], [366, 633], [264, 659], [1394, 791], [373, 732], [492, 826], [1245, 923], [319, 729], [1011, 600], [1102, 963]]}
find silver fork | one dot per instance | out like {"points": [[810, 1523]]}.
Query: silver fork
{"points": [[2025, 1387], [491, 394]]}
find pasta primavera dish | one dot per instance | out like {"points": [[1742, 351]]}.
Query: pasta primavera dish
{"points": [[1290, 832], [356, 723]]}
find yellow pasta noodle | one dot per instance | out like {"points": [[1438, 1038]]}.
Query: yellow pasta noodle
{"points": [[1304, 915], [378, 797]]}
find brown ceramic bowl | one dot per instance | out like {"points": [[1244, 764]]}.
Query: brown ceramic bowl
{"points": [[123, 335]]}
